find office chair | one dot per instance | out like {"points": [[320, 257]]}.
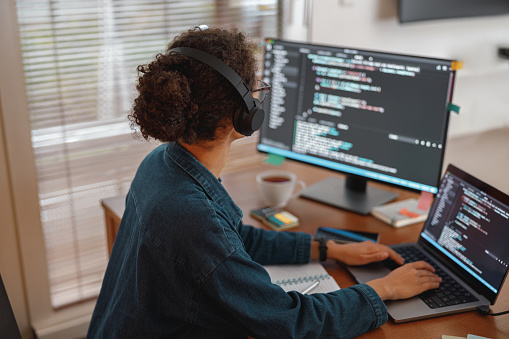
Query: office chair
{"points": [[8, 326]]}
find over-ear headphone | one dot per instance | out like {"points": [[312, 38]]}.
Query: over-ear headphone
{"points": [[247, 121]]}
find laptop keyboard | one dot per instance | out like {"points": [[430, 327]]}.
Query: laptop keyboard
{"points": [[449, 293]]}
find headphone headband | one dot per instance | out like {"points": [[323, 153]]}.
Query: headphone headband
{"points": [[245, 124]]}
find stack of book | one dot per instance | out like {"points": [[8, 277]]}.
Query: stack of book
{"points": [[400, 213]]}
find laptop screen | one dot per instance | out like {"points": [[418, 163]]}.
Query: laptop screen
{"points": [[469, 224]]}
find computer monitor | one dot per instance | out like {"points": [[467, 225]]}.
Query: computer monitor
{"points": [[367, 114]]}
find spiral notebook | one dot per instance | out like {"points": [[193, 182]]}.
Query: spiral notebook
{"points": [[298, 277]]}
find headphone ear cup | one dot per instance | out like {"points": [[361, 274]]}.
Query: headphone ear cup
{"points": [[252, 121], [256, 116], [247, 123]]}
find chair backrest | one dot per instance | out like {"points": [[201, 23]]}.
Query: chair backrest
{"points": [[8, 326]]}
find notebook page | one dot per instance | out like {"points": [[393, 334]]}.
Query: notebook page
{"points": [[298, 277]]}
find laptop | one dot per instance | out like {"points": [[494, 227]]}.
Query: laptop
{"points": [[465, 237]]}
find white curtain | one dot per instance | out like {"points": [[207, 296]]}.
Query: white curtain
{"points": [[80, 59]]}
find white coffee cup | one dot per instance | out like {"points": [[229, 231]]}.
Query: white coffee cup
{"points": [[278, 186]]}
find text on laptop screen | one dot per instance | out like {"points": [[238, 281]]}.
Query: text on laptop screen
{"points": [[472, 229]]}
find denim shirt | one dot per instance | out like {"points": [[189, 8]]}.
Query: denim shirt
{"points": [[184, 266]]}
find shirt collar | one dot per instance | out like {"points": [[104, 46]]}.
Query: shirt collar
{"points": [[211, 185]]}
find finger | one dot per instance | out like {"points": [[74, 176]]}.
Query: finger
{"points": [[375, 256], [395, 255], [433, 282], [428, 280], [422, 265], [426, 275]]}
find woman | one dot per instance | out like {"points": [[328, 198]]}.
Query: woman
{"points": [[183, 264]]}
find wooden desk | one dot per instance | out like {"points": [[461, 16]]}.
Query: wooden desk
{"points": [[113, 211], [242, 187]]}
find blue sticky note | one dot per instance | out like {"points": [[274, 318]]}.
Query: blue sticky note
{"points": [[473, 336]]}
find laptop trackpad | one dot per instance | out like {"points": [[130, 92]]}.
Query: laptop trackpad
{"points": [[369, 272]]}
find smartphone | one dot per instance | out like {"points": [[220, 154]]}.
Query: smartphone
{"points": [[345, 236]]}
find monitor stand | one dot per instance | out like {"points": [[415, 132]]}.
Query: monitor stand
{"points": [[352, 194]]}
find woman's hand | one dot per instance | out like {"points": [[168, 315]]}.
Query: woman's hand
{"points": [[406, 281], [361, 253]]}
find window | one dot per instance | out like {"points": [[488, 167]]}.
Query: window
{"points": [[80, 59]]}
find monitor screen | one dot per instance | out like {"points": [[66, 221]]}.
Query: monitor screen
{"points": [[371, 115]]}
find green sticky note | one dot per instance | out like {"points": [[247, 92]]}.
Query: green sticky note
{"points": [[454, 108], [274, 159]]}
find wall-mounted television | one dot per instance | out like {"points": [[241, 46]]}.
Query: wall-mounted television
{"points": [[420, 10]]}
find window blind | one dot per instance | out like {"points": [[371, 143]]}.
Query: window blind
{"points": [[80, 59]]}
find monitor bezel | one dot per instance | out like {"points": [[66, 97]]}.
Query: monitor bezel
{"points": [[345, 173]]}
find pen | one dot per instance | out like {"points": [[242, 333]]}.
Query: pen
{"points": [[310, 287]]}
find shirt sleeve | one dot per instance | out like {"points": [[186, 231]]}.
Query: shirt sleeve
{"points": [[264, 310], [272, 247]]}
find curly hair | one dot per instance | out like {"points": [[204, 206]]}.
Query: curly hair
{"points": [[183, 99]]}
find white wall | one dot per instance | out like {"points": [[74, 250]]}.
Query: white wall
{"points": [[296, 19], [482, 86]]}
